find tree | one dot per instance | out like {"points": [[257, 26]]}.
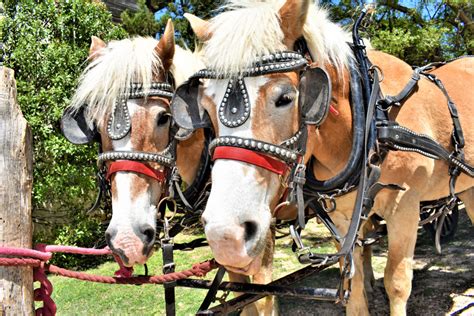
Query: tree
{"points": [[141, 22], [46, 43], [430, 31]]}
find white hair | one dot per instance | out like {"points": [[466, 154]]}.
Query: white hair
{"points": [[185, 64], [249, 29], [121, 63]]}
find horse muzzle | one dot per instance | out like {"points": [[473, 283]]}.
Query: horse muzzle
{"points": [[133, 246]]}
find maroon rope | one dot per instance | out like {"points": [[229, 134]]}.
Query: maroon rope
{"points": [[21, 257], [199, 270], [20, 262]]}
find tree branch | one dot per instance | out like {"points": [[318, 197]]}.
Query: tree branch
{"points": [[411, 12], [463, 16]]}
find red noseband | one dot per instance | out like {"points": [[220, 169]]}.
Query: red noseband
{"points": [[137, 167], [251, 157]]}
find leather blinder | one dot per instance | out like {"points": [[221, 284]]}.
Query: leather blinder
{"points": [[187, 112], [314, 96], [75, 128]]}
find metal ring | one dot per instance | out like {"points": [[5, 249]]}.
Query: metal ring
{"points": [[175, 207], [332, 205], [279, 206], [377, 68]]}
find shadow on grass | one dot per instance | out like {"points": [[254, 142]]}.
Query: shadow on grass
{"points": [[442, 284]]}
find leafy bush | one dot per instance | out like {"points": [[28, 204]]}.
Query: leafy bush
{"points": [[46, 43], [83, 232]]}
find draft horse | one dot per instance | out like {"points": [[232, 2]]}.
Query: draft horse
{"points": [[123, 103], [269, 108]]}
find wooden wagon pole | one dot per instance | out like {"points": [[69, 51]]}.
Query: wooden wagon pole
{"points": [[16, 178]]}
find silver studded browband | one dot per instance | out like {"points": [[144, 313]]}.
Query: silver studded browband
{"points": [[167, 161], [119, 123], [156, 89], [272, 63], [282, 152], [164, 158], [234, 109]]}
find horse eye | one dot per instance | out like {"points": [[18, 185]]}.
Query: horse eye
{"points": [[163, 119], [284, 99]]}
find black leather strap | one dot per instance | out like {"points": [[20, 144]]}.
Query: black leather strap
{"points": [[211, 294], [406, 92], [168, 267]]}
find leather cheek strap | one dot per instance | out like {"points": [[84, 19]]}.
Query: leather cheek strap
{"points": [[250, 157], [136, 167]]}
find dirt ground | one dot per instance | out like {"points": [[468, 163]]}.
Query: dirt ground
{"points": [[442, 284]]}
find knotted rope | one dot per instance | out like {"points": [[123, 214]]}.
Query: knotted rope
{"points": [[38, 258]]}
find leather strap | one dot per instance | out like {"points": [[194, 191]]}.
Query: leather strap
{"points": [[250, 157], [168, 267], [137, 167]]}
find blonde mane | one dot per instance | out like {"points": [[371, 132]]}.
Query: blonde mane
{"points": [[249, 29], [118, 65]]}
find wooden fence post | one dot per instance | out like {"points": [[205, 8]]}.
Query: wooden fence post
{"points": [[16, 178]]}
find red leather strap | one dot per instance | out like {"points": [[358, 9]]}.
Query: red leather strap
{"points": [[137, 167], [251, 157]]}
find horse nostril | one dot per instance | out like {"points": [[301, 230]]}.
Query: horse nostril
{"points": [[149, 234], [250, 228]]}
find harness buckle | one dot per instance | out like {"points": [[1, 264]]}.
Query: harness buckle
{"points": [[323, 201], [166, 240], [169, 267], [301, 248]]}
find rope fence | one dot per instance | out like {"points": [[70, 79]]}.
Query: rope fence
{"points": [[38, 259]]}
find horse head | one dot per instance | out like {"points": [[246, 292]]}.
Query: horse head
{"points": [[123, 102], [254, 95]]}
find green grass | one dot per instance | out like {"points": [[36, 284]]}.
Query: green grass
{"points": [[75, 297]]}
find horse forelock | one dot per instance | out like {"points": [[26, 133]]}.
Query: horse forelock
{"points": [[247, 30], [112, 71], [185, 64], [241, 34], [326, 40]]}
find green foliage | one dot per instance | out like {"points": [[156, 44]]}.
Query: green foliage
{"points": [[175, 10], [83, 232], [141, 22], [46, 43], [431, 31]]}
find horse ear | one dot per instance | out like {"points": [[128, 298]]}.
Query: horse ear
{"points": [[96, 46], [185, 107], [166, 46], [314, 95], [292, 19], [199, 26], [75, 128]]}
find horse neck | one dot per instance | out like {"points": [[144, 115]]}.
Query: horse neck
{"points": [[189, 154], [331, 142]]}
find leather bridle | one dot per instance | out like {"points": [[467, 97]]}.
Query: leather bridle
{"points": [[119, 126], [284, 159]]}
